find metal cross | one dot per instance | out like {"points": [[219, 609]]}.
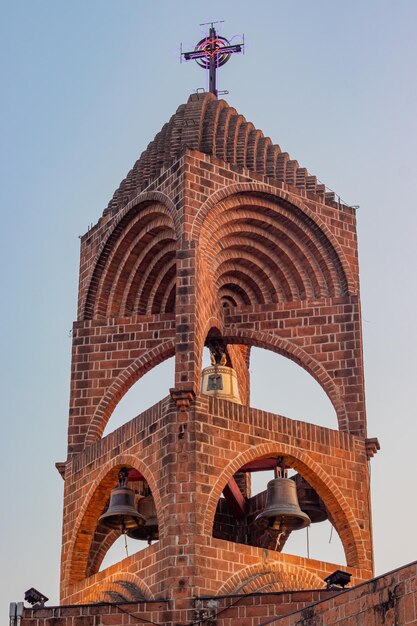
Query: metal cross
{"points": [[211, 53]]}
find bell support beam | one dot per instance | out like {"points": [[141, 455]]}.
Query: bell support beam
{"points": [[260, 465], [234, 498]]}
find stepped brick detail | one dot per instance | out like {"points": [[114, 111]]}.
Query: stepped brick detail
{"points": [[208, 125]]}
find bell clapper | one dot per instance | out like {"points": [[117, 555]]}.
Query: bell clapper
{"points": [[331, 534], [125, 536], [281, 530]]}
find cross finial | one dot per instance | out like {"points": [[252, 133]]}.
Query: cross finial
{"points": [[212, 52]]}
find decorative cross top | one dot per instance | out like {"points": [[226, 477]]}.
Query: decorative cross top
{"points": [[212, 52]]}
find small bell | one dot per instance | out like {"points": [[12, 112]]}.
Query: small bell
{"points": [[149, 530], [121, 513], [309, 500], [282, 510], [220, 380]]}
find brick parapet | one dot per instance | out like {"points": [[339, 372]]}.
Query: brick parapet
{"points": [[388, 599]]}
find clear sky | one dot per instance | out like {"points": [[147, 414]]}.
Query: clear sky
{"points": [[86, 85]]}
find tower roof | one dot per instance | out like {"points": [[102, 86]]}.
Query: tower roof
{"points": [[213, 127]]}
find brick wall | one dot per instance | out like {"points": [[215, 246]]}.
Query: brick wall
{"points": [[187, 458], [387, 600], [214, 231]]}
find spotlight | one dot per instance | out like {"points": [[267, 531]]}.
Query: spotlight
{"points": [[338, 580], [35, 597]]}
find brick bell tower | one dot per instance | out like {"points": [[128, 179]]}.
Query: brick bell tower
{"points": [[215, 237]]}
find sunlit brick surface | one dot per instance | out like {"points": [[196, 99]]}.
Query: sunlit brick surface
{"points": [[214, 232]]}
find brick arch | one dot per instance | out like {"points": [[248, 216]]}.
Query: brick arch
{"points": [[340, 511], [121, 385], [129, 586], [144, 198], [230, 192], [275, 576], [132, 258], [113, 268], [248, 223], [91, 509], [290, 276], [102, 541], [288, 261], [293, 352]]}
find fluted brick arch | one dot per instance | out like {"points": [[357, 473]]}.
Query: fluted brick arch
{"points": [[92, 507], [140, 271], [271, 577], [127, 219], [129, 586], [341, 513], [121, 385], [294, 267], [231, 192], [135, 248], [284, 282], [268, 341], [289, 236]]}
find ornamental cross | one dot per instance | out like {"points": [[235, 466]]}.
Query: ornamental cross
{"points": [[211, 53]]}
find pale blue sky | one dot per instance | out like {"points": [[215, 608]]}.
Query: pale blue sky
{"points": [[86, 85]]}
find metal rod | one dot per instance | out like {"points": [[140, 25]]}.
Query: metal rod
{"points": [[213, 63]]}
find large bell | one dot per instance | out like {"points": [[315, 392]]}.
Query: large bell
{"points": [[121, 513], [149, 530], [309, 500], [282, 510]]}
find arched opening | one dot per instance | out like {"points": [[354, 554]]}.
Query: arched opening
{"points": [[245, 497], [92, 537], [276, 384], [318, 541], [281, 386], [123, 547], [136, 270], [261, 249], [111, 545], [144, 393]]}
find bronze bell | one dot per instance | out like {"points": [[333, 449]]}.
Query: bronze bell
{"points": [[309, 500], [149, 530], [282, 510], [121, 512]]}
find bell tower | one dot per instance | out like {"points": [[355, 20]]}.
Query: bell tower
{"points": [[216, 238]]}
